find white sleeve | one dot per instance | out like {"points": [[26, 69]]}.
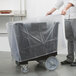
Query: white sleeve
{"points": [[73, 2], [58, 4]]}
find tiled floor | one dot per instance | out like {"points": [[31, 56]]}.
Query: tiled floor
{"points": [[8, 68]]}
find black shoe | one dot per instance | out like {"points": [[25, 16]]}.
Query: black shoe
{"points": [[73, 64], [65, 62]]}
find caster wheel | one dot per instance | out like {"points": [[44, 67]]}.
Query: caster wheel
{"points": [[17, 63], [24, 68], [51, 63]]}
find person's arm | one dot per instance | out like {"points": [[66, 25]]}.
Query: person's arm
{"points": [[63, 12], [70, 4], [51, 11], [56, 6]]}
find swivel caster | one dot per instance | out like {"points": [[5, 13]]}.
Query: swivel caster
{"points": [[24, 68], [51, 63], [17, 63]]}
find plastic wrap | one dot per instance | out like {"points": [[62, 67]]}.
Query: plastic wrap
{"points": [[32, 39]]}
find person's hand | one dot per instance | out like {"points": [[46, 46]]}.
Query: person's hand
{"points": [[49, 13], [63, 12]]}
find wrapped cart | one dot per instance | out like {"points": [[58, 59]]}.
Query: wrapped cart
{"points": [[34, 40]]}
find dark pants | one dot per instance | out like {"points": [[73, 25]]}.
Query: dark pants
{"points": [[70, 32]]}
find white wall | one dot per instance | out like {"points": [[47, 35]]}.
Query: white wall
{"points": [[8, 4], [14, 5], [4, 45], [39, 8]]}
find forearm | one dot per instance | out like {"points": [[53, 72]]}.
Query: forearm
{"points": [[68, 6], [53, 9], [56, 6]]}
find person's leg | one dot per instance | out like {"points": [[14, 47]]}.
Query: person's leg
{"points": [[74, 63], [70, 56], [69, 36], [73, 22]]}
